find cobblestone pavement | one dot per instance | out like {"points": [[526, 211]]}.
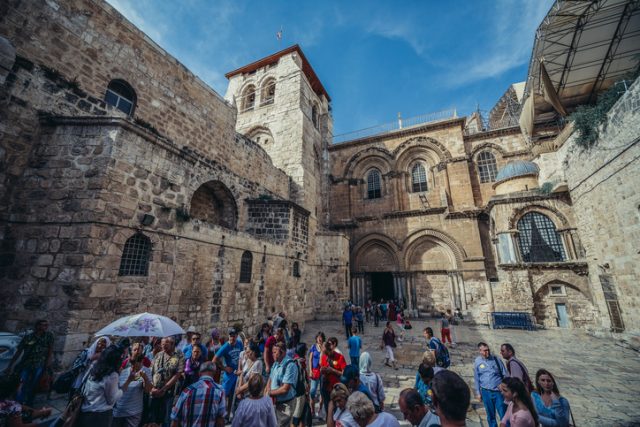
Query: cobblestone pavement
{"points": [[600, 379]]}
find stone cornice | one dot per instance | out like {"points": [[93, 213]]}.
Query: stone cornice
{"points": [[578, 267], [399, 133], [522, 197], [492, 133]]}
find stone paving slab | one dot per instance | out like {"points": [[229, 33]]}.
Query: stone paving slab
{"points": [[600, 379]]}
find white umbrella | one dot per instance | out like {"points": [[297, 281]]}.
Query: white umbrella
{"points": [[142, 325]]}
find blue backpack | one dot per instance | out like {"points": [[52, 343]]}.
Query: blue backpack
{"points": [[443, 359]]}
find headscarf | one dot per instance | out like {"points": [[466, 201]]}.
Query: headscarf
{"points": [[365, 363], [92, 349], [215, 334]]}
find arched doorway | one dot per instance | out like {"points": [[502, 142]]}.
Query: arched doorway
{"points": [[376, 265], [562, 305]]}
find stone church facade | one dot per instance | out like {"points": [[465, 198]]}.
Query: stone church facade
{"points": [[128, 185]]}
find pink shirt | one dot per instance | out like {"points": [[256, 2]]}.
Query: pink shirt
{"points": [[521, 418]]}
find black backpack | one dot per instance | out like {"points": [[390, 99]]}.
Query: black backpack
{"points": [[301, 384]]}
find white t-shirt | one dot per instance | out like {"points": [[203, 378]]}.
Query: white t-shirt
{"points": [[343, 418], [131, 401], [384, 419]]}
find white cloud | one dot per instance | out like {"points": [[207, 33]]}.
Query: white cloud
{"points": [[403, 30], [513, 25]]}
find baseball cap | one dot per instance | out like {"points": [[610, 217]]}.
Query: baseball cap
{"points": [[232, 331], [349, 373]]}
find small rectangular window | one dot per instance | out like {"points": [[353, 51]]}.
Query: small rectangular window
{"points": [[557, 290]]}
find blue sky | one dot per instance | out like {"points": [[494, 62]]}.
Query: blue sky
{"points": [[375, 58]]}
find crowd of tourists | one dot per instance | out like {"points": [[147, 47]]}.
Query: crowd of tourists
{"points": [[274, 379]]}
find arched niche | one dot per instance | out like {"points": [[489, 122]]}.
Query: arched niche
{"points": [[213, 202], [375, 253]]}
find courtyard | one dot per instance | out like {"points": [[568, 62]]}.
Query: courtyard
{"points": [[599, 378]]}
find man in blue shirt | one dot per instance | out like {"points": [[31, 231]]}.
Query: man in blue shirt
{"points": [[347, 319], [229, 353], [195, 340], [488, 372], [282, 384], [355, 344]]}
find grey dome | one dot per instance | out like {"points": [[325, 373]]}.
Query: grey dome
{"points": [[515, 169]]}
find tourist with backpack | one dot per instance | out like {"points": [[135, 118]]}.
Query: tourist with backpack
{"points": [[440, 351], [515, 367], [301, 409], [282, 384], [488, 373]]}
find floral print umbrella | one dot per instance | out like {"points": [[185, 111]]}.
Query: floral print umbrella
{"points": [[142, 325]]}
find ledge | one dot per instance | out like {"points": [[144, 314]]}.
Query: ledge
{"points": [[578, 267]]}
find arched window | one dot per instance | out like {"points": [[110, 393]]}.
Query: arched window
{"points": [[418, 178], [248, 98], [121, 95], [539, 240], [268, 94], [246, 264], [136, 256], [487, 168], [373, 185], [296, 269]]}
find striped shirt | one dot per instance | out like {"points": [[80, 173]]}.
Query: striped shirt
{"points": [[200, 404]]}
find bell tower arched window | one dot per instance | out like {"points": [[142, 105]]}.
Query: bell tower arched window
{"points": [[135, 256], [418, 178], [121, 95], [246, 265], [487, 168], [268, 93], [373, 185], [539, 240], [248, 98]]}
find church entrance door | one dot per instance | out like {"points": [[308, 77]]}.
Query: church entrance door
{"points": [[382, 286]]}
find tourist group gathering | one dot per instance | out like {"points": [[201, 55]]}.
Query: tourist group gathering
{"points": [[273, 378]]}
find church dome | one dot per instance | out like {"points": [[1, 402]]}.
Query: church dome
{"points": [[515, 169]]}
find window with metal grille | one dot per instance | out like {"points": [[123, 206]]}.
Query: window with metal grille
{"points": [[314, 116], [373, 185], [487, 168], [246, 264], [539, 240], [136, 256], [296, 269], [121, 95], [418, 178]]}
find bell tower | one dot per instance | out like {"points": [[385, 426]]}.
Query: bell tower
{"points": [[283, 107]]}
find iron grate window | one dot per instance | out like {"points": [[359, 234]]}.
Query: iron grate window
{"points": [[418, 178], [246, 264], [487, 168], [539, 240], [121, 95], [373, 185], [296, 269], [135, 256]]}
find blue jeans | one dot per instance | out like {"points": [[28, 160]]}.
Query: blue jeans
{"points": [[493, 401], [29, 378], [355, 361], [347, 329]]}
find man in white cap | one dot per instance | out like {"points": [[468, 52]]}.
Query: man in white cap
{"points": [[186, 340]]}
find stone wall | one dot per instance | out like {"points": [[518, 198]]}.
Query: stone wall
{"points": [[79, 178], [604, 186]]}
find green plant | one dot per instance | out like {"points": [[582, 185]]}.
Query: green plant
{"points": [[182, 214], [587, 119]]}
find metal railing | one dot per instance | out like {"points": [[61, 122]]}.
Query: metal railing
{"points": [[396, 125]]}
